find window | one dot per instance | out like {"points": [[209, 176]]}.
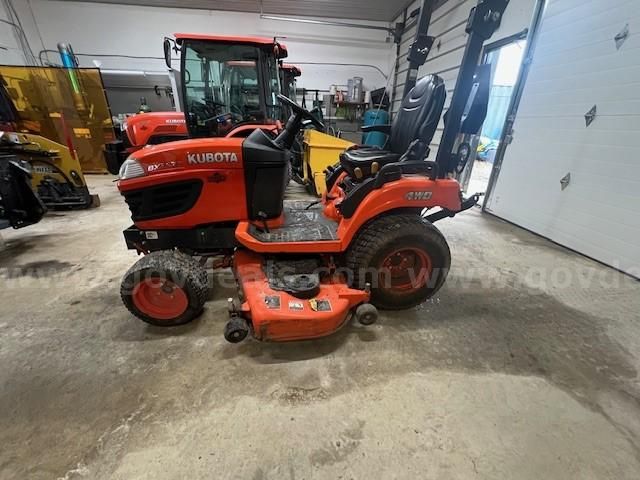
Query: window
{"points": [[274, 108], [223, 88]]}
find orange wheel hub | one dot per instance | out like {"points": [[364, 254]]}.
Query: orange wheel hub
{"points": [[160, 298], [405, 270]]}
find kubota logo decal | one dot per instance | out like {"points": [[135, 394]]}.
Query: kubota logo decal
{"points": [[215, 157], [418, 195]]}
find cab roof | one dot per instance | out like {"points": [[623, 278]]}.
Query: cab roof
{"points": [[238, 39], [292, 68]]}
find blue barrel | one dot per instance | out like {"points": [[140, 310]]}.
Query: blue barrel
{"points": [[375, 117]]}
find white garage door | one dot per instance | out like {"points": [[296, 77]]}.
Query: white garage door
{"points": [[578, 64]]}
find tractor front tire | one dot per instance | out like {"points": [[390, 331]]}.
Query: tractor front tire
{"points": [[165, 288], [403, 257]]}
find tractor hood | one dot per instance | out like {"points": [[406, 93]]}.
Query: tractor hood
{"points": [[141, 128], [182, 155]]}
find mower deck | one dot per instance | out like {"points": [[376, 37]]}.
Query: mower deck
{"points": [[301, 224], [277, 315]]}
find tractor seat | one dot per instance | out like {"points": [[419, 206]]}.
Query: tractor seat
{"points": [[417, 119], [363, 161]]}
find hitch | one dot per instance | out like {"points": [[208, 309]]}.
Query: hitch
{"points": [[466, 204]]}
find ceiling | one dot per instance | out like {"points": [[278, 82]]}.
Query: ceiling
{"points": [[381, 10]]}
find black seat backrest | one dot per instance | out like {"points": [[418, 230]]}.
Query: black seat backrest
{"points": [[419, 114]]}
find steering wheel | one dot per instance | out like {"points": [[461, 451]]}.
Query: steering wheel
{"points": [[301, 111]]}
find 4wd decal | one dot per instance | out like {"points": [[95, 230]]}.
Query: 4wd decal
{"points": [[211, 157], [418, 195]]}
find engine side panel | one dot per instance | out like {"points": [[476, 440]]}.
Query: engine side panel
{"points": [[216, 163]]}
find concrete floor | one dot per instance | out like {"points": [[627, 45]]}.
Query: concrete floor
{"points": [[524, 367]]}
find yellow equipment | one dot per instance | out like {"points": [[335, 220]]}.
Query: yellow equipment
{"points": [[66, 105], [56, 176], [320, 151]]}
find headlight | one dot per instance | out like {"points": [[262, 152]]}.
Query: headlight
{"points": [[130, 169]]}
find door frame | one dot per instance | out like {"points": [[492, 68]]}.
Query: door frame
{"points": [[465, 177], [507, 130]]}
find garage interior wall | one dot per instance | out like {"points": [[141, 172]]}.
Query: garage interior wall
{"points": [[11, 42], [139, 31], [576, 66], [448, 26]]}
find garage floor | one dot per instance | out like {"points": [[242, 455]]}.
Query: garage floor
{"points": [[525, 367]]}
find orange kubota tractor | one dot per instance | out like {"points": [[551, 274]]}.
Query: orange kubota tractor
{"points": [[238, 72], [301, 269]]}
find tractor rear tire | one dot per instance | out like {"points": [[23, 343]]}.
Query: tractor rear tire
{"points": [[165, 288], [403, 257]]}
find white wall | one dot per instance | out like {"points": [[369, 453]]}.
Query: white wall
{"points": [[10, 51], [132, 30]]}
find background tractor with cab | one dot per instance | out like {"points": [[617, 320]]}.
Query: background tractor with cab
{"points": [[231, 80]]}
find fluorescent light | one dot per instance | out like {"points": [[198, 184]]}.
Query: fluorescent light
{"points": [[138, 73]]}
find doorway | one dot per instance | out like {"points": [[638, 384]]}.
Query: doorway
{"points": [[505, 58]]}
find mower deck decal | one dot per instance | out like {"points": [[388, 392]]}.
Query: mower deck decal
{"points": [[272, 302]]}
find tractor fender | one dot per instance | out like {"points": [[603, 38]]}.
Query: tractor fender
{"points": [[412, 193]]}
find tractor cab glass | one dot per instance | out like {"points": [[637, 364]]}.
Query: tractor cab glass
{"points": [[226, 85], [288, 74], [288, 82]]}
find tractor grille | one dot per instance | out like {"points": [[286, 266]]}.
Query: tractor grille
{"points": [[163, 200], [168, 137]]}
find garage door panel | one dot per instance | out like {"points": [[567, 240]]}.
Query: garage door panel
{"points": [[560, 14], [597, 80], [607, 99], [619, 107], [582, 61], [600, 156], [575, 67], [598, 213], [595, 50], [587, 170], [616, 124], [576, 231], [601, 32], [597, 152]]}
